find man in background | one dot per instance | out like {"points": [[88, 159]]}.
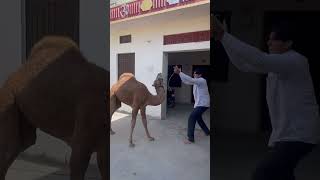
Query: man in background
{"points": [[201, 98]]}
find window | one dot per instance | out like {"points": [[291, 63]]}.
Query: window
{"points": [[125, 39]]}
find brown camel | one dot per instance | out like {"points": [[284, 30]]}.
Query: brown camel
{"points": [[135, 94], [62, 94]]}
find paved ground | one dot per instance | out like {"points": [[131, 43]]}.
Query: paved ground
{"points": [[27, 168], [235, 157], [167, 157]]}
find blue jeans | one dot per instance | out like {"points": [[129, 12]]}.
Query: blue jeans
{"points": [[196, 116]]}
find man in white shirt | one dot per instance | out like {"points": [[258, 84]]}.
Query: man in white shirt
{"points": [[293, 109], [201, 98]]}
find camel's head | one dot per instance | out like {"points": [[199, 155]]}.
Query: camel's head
{"points": [[159, 81]]}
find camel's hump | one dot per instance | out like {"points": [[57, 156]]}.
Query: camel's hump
{"points": [[43, 53], [126, 75], [59, 43]]}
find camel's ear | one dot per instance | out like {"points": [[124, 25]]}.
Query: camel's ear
{"points": [[159, 76]]}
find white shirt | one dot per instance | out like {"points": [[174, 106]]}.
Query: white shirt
{"points": [[293, 108], [200, 89]]}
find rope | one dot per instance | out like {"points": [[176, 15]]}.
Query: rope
{"points": [[169, 88]]}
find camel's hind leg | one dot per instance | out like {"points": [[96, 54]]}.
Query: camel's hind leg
{"points": [[7, 157], [15, 136], [115, 104]]}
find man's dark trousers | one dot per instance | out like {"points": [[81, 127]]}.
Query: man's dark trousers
{"points": [[196, 116]]}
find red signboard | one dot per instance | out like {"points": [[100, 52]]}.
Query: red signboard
{"points": [[140, 7], [187, 37]]}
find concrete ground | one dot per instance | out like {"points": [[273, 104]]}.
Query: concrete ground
{"points": [[37, 168], [235, 157], [167, 157]]}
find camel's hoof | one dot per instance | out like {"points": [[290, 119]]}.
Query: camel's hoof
{"points": [[131, 145], [151, 139]]}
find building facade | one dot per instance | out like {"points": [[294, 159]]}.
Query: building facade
{"points": [[147, 36]]}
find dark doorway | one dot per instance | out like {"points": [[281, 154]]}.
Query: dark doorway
{"points": [[51, 17], [126, 63], [306, 32], [206, 75]]}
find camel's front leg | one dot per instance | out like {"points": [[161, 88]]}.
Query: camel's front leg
{"points": [[16, 135], [144, 122], [79, 160], [133, 123], [102, 159]]}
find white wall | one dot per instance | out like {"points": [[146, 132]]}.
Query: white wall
{"points": [[147, 43], [10, 37], [94, 31]]}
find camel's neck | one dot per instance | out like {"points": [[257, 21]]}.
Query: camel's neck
{"points": [[156, 100]]}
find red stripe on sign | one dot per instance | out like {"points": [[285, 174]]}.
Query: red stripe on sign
{"points": [[155, 4], [134, 9], [112, 16], [118, 12], [138, 6]]}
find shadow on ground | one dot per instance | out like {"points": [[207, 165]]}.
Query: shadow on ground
{"points": [[165, 158], [35, 167], [235, 157]]}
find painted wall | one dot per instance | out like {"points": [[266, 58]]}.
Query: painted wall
{"points": [[147, 43], [11, 37], [94, 31]]}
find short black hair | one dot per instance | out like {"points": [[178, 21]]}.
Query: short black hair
{"points": [[198, 71], [284, 30]]}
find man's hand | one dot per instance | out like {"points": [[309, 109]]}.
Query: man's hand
{"points": [[218, 29], [176, 69]]}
